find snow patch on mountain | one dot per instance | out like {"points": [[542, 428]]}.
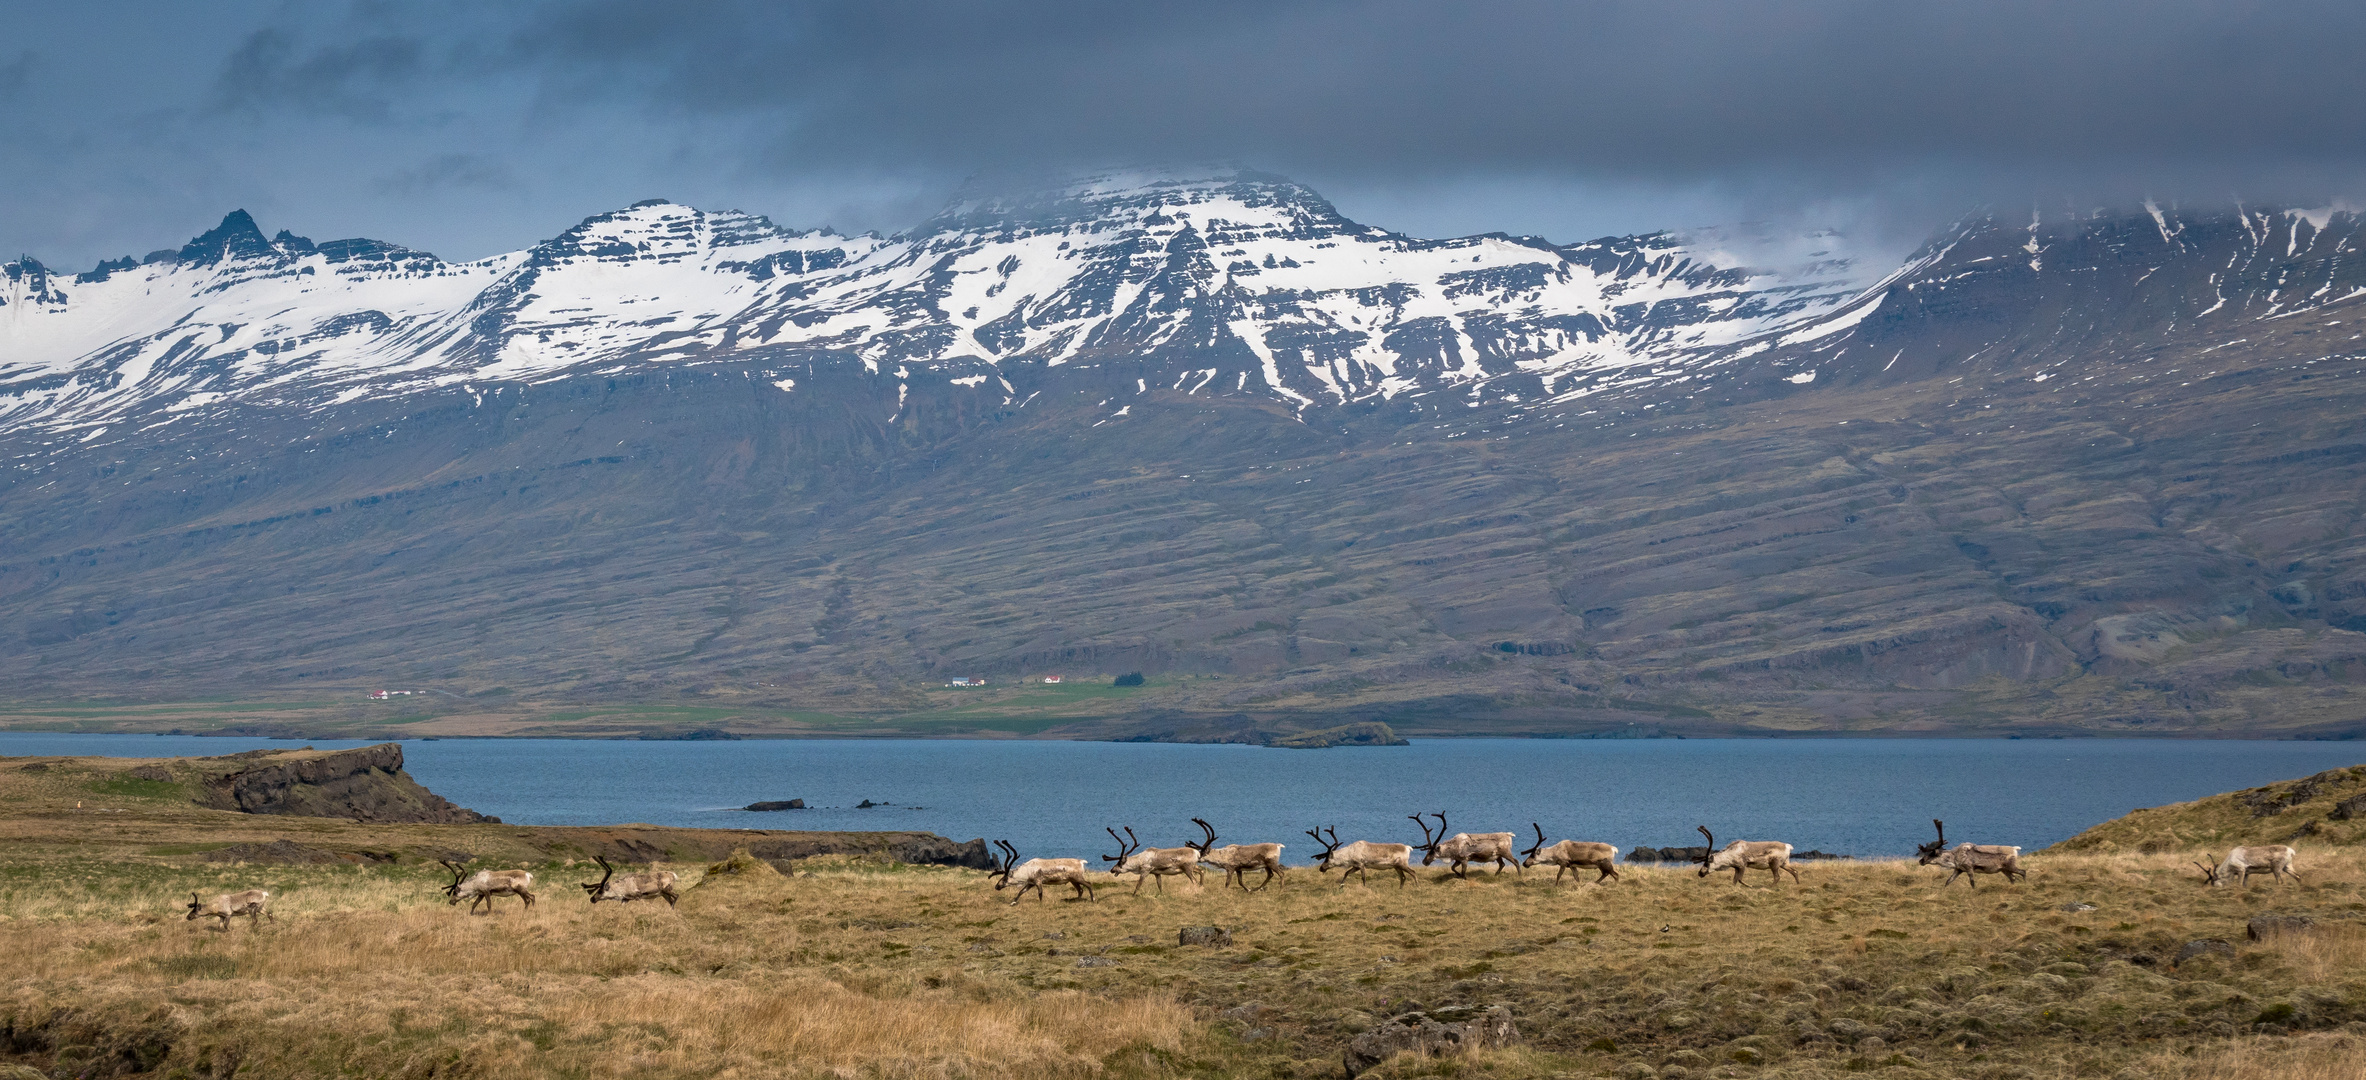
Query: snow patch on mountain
{"points": [[1232, 273]]}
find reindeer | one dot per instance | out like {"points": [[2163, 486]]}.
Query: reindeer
{"points": [[648, 885], [1772, 856], [1463, 849], [487, 884], [2274, 860], [1969, 859], [248, 902], [1237, 859], [1037, 873], [1573, 857], [1157, 863], [1361, 857]]}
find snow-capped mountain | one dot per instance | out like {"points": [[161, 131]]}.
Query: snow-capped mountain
{"points": [[1234, 283]]}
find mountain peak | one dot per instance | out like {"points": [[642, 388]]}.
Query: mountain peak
{"points": [[1150, 197], [237, 237]]}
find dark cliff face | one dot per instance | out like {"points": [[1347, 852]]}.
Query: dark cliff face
{"points": [[367, 784]]}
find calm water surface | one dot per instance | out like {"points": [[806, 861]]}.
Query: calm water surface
{"points": [[1867, 797]]}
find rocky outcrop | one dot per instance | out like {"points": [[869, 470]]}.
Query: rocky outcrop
{"points": [[933, 850], [1367, 733], [366, 784], [1431, 1034], [776, 804]]}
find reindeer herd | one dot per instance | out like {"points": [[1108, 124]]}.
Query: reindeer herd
{"points": [[1357, 859]]}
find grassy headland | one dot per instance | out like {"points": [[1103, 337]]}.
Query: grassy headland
{"points": [[858, 967]]}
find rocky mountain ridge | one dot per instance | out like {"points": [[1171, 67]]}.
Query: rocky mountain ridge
{"points": [[1256, 280], [2095, 473]]}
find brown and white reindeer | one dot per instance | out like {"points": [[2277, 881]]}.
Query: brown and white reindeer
{"points": [[1573, 857], [1969, 860], [646, 885], [1145, 864], [1362, 857], [487, 884], [1237, 859], [2274, 860], [1462, 849], [1037, 873], [247, 902], [1772, 856]]}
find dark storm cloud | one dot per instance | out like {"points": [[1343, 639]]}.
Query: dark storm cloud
{"points": [[358, 79], [2109, 92], [473, 128]]}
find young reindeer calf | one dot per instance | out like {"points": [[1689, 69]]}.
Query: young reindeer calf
{"points": [[248, 903]]}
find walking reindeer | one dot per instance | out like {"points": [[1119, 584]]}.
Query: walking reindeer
{"points": [[1148, 863], [1463, 849], [1037, 873], [247, 902], [487, 884], [1362, 857], [646, 885], [1573, 857], [2274, 860], [1969, 861], [1237, 859], [1772, 856]]}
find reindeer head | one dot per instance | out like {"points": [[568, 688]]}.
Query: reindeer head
{"points": [[1010, 858], [195, 906], [2210, 870], [1528, 857], [1322, 864], [453, 890], [1711, 852], [1125, 849], [1928, 853], [599, 887], [1203, 846]]}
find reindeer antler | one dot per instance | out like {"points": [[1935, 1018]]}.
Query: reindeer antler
{"points": [[1539, 839], [1123, 849], [1427, 841], [1203, 845], [1711, 838], [1010, 858]]}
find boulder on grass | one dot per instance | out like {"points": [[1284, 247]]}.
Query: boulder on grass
{"points": [[1432, 1034]]}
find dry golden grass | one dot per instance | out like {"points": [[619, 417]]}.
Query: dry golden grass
{"points": [[857, 968], [862, 970], [2301, 1057]]}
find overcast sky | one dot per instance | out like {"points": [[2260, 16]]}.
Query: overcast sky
{"points": [[126, 126]]}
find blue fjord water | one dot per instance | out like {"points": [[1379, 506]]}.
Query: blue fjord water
{"points": [[1865, 797]]}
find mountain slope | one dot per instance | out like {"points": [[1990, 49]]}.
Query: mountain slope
{"points": [[2061, 490]]}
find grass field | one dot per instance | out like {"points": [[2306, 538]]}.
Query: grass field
{"points": [[861, 968]]}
